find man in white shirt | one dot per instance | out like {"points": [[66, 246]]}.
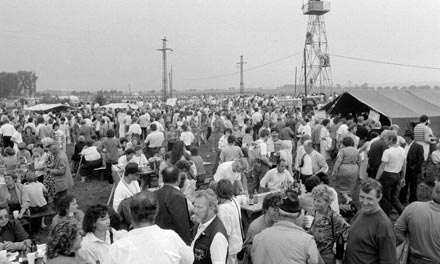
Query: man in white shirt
{"points": [[304, 129], [147, 243], [187, 136], [342, 131], [7, 130], [127, 186], [231, 170], [391, 173], [275, 178], [154, 140], [144, 122], [125, 159], [135, 129], [158, 125], [257, 122], [92, 160], [210, 244]]}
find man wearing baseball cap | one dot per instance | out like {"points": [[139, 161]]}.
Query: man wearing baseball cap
{"points": [[286, 241]]}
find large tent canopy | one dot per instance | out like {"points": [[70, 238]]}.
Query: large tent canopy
{"points": [[401, 107], [48, 108]]}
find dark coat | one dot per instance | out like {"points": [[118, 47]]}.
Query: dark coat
{"points": [[173, 212], [415, 157]]}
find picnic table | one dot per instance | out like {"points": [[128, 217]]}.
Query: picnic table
{"points": [[146, 176], [250, 212]]}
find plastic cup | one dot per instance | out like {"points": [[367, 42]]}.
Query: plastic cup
{"points": [[15, 213], [308, 220], [41, 249], [31, 258]]}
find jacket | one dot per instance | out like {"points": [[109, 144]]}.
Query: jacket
{"points": [[173, 212], [61, 173]]}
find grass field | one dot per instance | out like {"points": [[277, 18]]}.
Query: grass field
{"points": [[94, 191]]}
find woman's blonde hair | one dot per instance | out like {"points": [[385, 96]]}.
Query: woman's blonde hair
{"points": [[324, 192]]}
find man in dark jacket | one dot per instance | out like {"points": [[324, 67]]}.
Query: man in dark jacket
{"points": [[414, 161], [173, 208], [375, 154]]}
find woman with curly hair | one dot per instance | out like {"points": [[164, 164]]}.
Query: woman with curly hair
{"points": [[327, 225], [99, 234], [64, 242]]}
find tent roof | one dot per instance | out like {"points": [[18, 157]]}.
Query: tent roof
{"points": [[390, 103], [430, 95], [46, 107]]}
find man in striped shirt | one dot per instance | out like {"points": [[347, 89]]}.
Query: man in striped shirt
{"points": [[423, 135]]}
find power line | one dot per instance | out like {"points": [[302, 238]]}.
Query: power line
{"points": [[385, 62], [248, 69]]}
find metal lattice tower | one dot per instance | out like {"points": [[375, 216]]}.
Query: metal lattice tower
{"points": [[241, 62], [164, 50], [316, 71]]}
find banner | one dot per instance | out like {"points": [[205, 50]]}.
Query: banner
{"points": [[320, 115], [171, 101], [373, 115]]}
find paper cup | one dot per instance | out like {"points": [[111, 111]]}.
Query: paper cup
{"points": [[15, 213], [31, 258]]}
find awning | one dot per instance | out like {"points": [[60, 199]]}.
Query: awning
{"points": [[48, 108]]}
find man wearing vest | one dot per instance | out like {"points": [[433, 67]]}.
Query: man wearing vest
{"points": [[311, 162], [210, 244]]}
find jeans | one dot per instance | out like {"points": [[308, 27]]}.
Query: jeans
{"points": [[390, 182]]}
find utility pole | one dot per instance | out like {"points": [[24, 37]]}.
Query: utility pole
{"points": [[296, 68], [171, 81], [241, 74], [129, 90], [164, 50], [305, 73]]}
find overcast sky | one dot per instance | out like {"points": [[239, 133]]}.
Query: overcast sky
{"points": [[94, 44]]}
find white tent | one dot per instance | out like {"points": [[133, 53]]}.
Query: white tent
{"points": [[121, 106]]}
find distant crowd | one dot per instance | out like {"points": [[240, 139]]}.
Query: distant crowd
{"points": [[339, 189]]}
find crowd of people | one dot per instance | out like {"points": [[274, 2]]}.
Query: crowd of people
{"points": [[341, 189]]}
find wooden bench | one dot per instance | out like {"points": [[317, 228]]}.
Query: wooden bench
{"points": [[100, 170]]}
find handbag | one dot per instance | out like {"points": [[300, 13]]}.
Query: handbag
{"points": [[339, 243], [402, 252]]}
